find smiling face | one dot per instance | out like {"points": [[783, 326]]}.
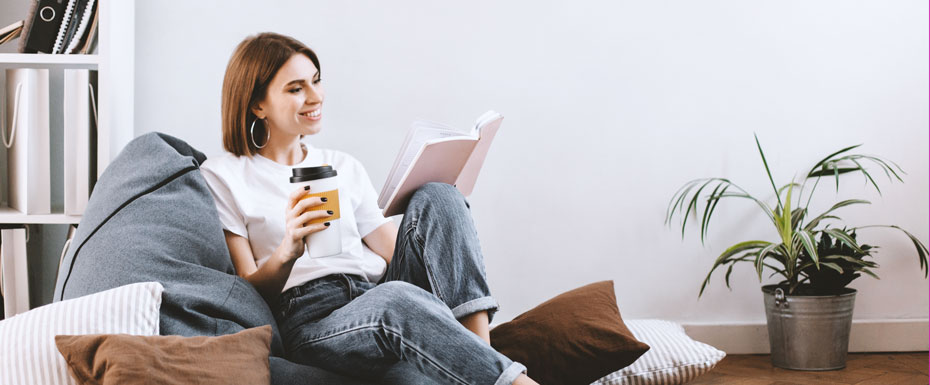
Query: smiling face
{"points": [[294, 100]]}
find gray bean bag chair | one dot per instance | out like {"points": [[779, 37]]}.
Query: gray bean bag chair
{"points": [[151, 217]]}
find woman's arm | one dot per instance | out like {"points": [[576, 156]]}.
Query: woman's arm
{"points": [[271, 277], [382, 240]]}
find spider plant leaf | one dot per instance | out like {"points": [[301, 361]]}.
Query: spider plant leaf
{"points": [[738, 248], [759, 263], [833, 266], [860, 262], [821, 163], [868, 176], [693, 206], [892, 169], [807, 239], [782, 188], [733, 250], [845, 238], [869, 272], [767, 171], [704, 284], [836, 176], [885, 167], [797, 217], [714, 206], [776, 269], [785, 229], [831, 171], [676, 200], [727, 277], [813, 223], [765, 208], [710, 201], [921, 249], [684, 197], [806, 265]]}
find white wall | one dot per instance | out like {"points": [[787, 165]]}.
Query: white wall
{"points": [[609, 107]]}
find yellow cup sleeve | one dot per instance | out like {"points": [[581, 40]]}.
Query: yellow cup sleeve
{"points": [[332, 203]]}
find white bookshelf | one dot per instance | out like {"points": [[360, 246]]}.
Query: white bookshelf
{"points": [[65, 61], [114, 62], [9, 215]]}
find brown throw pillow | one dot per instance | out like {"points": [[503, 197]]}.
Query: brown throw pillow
{"points": [[575, 338], [240, 358]]}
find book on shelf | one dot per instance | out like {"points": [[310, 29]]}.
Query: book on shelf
{"points": [[80, 159], [434, 152], [25, 134], [14, 276], [11, 31]]}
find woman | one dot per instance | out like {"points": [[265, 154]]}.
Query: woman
{"points": [[420, 296]]}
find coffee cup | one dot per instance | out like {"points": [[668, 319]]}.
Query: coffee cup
{"points": [[323, 183]]}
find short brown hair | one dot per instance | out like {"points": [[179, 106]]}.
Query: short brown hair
{"points": [[252, 66]]}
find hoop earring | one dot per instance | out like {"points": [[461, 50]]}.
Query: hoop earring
{"points": [[252, 134]]}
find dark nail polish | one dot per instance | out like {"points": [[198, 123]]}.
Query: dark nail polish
{"points": [[323, 199], [327, 224], [306, 188], [330, 212]]}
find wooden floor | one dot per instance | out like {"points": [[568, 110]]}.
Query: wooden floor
{"points": [[861, 368]]}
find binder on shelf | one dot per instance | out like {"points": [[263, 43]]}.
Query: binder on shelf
{"points": [[15, 281], [26, 138], [79, 135], [83, 17], [58, 27], [90, 38], [41, 26]]}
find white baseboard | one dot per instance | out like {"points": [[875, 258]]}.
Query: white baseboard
{"points": [[893, 335]]}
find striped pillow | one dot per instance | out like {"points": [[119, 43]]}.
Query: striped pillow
{"points": [[28, 354], [674, 358]]}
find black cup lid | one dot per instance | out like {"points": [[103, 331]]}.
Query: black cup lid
{"points": [[303, 174]]}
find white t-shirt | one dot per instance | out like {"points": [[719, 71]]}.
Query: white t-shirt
{"points": [[251, 195]]}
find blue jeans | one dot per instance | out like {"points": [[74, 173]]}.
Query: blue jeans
{"points": [[348, 325]]}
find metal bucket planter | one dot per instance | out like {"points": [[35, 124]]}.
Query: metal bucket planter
{"points": [[808, 332]]}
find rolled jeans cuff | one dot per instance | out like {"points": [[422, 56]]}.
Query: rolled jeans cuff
{"points": [[476, 305], [510, 374]]}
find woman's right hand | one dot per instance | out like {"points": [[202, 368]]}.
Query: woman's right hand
{"points": [[297, 216]]}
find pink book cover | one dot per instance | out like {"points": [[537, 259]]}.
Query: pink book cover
{"points": [[456, 161]]}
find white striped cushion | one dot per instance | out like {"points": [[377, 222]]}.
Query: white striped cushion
{"points": [[673, 357], [28, 354]]}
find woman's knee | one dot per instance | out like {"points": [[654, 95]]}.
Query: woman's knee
{"points": [[404, 298], [442, 194]]}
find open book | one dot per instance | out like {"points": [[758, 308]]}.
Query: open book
{"points": [[434, 152]]}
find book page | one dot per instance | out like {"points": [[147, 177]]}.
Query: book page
{"points": [[439, 160], [420, 133], [487, 127], [485, 119]]}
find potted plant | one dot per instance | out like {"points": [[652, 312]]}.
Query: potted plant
{"points": [[809, 313]]}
